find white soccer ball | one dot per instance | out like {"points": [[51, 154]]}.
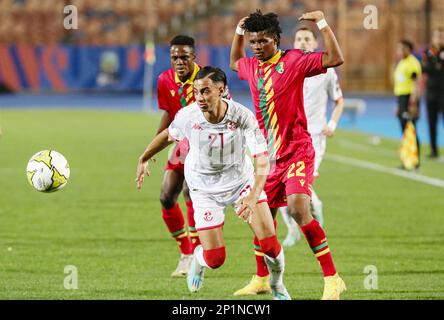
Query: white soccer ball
{"points": [[48, 171]]}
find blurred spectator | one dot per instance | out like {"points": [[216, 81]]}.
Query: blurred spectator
{"points": [[433, 66]]}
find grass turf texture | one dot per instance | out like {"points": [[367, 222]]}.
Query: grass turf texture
{"points": [[115, 236]]}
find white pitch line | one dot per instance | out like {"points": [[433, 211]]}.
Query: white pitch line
{"points": [[380, 168]]}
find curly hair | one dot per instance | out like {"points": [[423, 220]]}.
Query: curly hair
{"points": [[268, 23]]}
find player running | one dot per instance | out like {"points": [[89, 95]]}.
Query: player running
{"points": [[317, 90], [219, 173], [174, 92], [276, 81]]}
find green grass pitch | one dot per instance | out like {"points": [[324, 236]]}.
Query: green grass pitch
{"points": [[115, 236]]}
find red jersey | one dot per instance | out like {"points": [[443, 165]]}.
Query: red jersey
{"points": [[173, 94], [276, 86]]}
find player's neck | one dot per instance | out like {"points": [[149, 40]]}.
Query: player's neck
{"points": [[218, 114], [186, 77]]}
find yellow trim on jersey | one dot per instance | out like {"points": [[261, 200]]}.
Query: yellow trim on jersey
{"points": [[190, 80], [273, 59]]}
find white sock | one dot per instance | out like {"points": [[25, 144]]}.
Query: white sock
{"points": [[317, 208], [276, 267], [292, 226], [198, 253]]}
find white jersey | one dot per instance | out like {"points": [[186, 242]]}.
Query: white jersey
{"points": [[317, 90], [218, 160]]}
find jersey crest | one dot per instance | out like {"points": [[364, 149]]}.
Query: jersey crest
{"points": [[280, 67]]}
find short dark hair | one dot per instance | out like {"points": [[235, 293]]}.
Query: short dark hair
{"points": [[268, 23], [408, 44], [182, 40], [214, 73], [306, 29]]}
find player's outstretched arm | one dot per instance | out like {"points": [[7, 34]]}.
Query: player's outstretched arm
{"points": [[160, 142], [332, 56], [329, 130], [247, 205], [237, 46]]}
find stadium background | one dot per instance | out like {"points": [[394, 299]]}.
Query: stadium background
{"points": [[82, 92]]}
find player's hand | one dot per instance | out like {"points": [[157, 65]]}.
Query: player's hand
{"points": [[314, 16], [328, 132], [241, 22], [142, 168], [245, 207]]}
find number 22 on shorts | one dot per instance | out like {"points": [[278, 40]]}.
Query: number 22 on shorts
{"points": [[299, 166]]}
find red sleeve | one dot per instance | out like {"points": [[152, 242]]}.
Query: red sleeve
{"points": [[310, 63], [162, 95], [243, 66]]}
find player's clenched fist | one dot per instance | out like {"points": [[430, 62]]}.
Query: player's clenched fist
{"points": [[314, 16]]}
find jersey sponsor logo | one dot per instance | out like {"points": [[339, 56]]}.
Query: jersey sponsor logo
{"points": [[208, 216], [280, 67], [232, 125], [172, 93]]}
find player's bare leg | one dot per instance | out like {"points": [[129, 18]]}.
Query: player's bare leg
{"points": [[209, 254], [299, 208], [172, 215], [263, 227]]}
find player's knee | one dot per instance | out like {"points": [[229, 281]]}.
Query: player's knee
{"points": [[270, 246], [214, 257], [167, 201], [300, 213]]}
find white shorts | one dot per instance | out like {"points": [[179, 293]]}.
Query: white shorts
{"points": [[209, 208], [319, 144]]}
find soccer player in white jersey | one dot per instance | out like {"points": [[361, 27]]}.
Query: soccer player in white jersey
{"points": [[219, 173], [317, 91]]}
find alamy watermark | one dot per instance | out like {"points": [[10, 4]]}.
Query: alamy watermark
{"points": [[371, 20], [71, 21], [371, 280], [71, 280]]}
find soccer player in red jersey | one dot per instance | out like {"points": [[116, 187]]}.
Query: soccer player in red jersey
{"points": [[175, 91], [276, 79]]}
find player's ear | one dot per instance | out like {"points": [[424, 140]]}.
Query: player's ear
{"points": [[221, 90]]}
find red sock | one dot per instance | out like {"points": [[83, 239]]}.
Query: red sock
{"points": [[271, 246], [261, 266], [214, 257], [176, 225], [192, 226], [317, 241]]}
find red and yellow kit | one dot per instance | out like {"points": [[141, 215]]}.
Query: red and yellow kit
{"points": [[173, 95], [276, 86]]}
